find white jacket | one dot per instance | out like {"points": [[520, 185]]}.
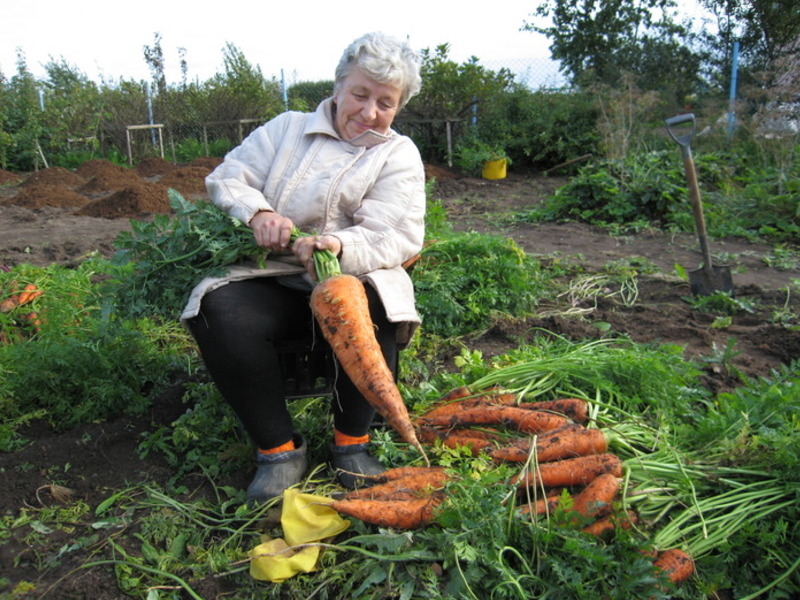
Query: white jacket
{"points": [[368, 192]]}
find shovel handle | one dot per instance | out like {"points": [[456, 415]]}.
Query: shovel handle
{"points": [[697, 210], [683, 140], [691, 178]]}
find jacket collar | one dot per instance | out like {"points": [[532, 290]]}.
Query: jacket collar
{"points": [[322, 122]]}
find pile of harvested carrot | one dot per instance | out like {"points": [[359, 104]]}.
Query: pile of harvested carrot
{"points": [[401, 498], [17, 322], [566, 466]]}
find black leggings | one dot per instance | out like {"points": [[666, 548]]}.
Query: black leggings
{"points": [[236, 330]]}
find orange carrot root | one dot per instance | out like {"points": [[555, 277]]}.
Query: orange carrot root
{"points": [[574, 408], [526, 421], [571, 472], [676, 563], [339, 304], [605, 526], [569, 441], [411, 486], [596, 498], [401, 472], [399, 514]]}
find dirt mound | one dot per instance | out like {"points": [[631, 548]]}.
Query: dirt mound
{"points": [[43, 194], [98, 167], [53, 176], [130, 202], [9, 177], [154, 166], [207, 162], [438, 173], [189, 181], [111, 181]]}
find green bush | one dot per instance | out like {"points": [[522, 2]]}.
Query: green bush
{"points": [[84, 365], [542, 129], [464, 280]]}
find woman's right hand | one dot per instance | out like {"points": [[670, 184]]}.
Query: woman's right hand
{"points": [[271, 230]]}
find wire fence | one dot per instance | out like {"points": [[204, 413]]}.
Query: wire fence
{"points": [[176, 139]]}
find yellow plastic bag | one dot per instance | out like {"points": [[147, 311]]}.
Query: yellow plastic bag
{"points": [[305, 519]]}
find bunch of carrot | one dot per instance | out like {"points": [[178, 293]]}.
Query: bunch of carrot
{"points": [[400, 498], [564, 458], [19, 323]]}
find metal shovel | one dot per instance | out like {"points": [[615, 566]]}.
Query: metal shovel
{"points": [[709, 278]]}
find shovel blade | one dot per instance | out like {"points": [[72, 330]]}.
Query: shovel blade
{"points": [[705, 282]]}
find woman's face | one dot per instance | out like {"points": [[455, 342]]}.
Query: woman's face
{"points": [[362, 104]]}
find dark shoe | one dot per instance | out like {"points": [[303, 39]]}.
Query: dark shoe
{"points": [[348, 462], [276, 472]]}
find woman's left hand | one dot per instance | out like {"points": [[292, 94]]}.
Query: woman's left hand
{"points": [[304, 247]]}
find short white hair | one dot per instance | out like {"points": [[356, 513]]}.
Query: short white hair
{"points": [[384, 59]]}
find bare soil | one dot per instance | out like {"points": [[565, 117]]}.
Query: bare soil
{"points": [[61, 216]]}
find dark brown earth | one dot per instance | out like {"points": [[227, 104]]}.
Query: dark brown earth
{"points": [[61, 216]]}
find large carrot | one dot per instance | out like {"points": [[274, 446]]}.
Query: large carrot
{"points": [[401, 472], [571, 472], [592, 501], [574, 408], [339, 304], [410, 486], [676, 563], [452, 406], [399, 514], [12, 300], [455, 438], [526, 421], [28, 294], [595, 499], [606, 525], [568, 441]]}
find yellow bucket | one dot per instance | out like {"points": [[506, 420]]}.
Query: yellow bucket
{"points": [[495, 169]]}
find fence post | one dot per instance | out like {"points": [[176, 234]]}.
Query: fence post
{"points": [[285, 94], [734, 76]]}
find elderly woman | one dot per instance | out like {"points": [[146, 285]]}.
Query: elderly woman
{"points": [[342, 174]]}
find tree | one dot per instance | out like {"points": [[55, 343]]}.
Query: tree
{"points": [[450, 92], [23, 118], [602, 40], [767, 30], [73, 107], [154, 57]]}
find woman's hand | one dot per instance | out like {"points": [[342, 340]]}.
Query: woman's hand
{"points": [[305, 245], [271, 230]]}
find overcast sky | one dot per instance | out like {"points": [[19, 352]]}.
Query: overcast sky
{"points": [[105, 40]]}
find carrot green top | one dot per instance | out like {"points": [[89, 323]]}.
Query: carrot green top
{"points": [[325, 262]]}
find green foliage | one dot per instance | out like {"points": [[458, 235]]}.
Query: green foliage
{"points": [[542, 129], [722, 303], [206, 438], [463, 281], [306, 95], [454, 92], [158, 262], [648, 187], [471, 154], [601, 41], [765, 30], [84, 365], [22, 121]]}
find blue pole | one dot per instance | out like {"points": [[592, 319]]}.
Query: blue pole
{"points": [[283, 88], [734, 74]]}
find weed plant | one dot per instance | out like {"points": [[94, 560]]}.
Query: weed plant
{"points": [[740, 198], [85, 364], [463, 280]]}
